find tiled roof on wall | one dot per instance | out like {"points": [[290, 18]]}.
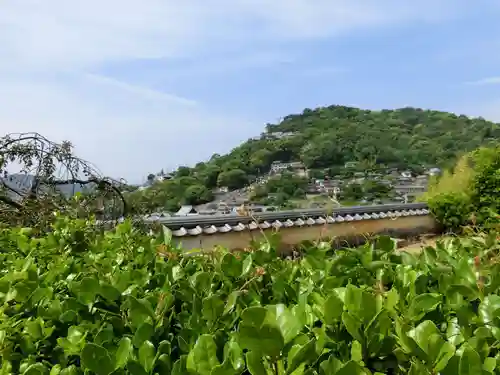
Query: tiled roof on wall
{"points": [[233, 225]]}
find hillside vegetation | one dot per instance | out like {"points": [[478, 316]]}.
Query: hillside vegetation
{"points": [[324, 139]]}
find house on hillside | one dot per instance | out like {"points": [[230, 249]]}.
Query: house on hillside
{"points": [[410, 190], [280, 135], [296, 167], [186, 210], [220, 190]]}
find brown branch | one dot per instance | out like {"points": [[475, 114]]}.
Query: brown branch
{"points": [[46, 161]]}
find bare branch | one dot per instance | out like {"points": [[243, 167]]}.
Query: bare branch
{"points": [[46, 170]]}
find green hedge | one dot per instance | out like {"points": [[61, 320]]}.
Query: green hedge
{"points": [[77, 301]]}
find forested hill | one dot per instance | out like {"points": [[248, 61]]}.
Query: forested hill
{"points": [[336, 134], [331, 136], [324, 139]]}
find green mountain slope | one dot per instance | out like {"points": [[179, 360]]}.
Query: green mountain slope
{"points": [[324, 139]]}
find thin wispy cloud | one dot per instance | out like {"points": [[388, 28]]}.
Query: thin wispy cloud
{"points": [[65, 68], [485, 81], [143, 92]]}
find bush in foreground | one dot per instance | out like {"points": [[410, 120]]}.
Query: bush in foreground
{"points": [[469, 193], [79, 301]]}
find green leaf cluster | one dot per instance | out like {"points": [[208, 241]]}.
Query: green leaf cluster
{"points": [[125, 303]]}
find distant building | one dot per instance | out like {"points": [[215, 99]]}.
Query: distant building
{"points": [[220, 190], [410, 190], [280, 135], [351, 164], [186, 210], [296, 167], [157, 215]]}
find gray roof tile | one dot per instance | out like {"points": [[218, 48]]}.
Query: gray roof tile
{"points": [[234, 224]]}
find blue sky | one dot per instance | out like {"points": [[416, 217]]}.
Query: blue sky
{"points": [[138, 86]]}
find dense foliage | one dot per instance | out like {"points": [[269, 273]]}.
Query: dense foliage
{"points": [[280, 189], [326, 138], [470, 192], [77, 300]]}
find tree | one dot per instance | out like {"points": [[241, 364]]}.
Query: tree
{"points": [[172, 205], [261, 160], [286, 183], [197, 194], [376, 190], [353, 191], [183, 171], [233, 179], [209, 176]]}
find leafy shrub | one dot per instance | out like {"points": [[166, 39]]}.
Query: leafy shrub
{"points": [[80, 301], [472, 188], [486, 184], [451, 210]]}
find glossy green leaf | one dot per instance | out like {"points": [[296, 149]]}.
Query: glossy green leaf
{"points": [[55, 370], [70, 370], [109, 292], [423, 304], [123, 353], [36, 369], [489, 308], [351, 368], [490, 364], [167, 235], [86, 289], [231, 302], [428, 338], [143, 333], [352, 325], [259, 331], [418, 368], [213, 308], [360, 304], [234, 355], [470, 362], [231, 266], [303, 354], [332, 309], [96, 359], [147, 353], [288, 322], [255, 363], [446, 352], [330, 366], [203, 357], [163, 364], [135, 368], [247, 265], [179, 367], [356, 351]]}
